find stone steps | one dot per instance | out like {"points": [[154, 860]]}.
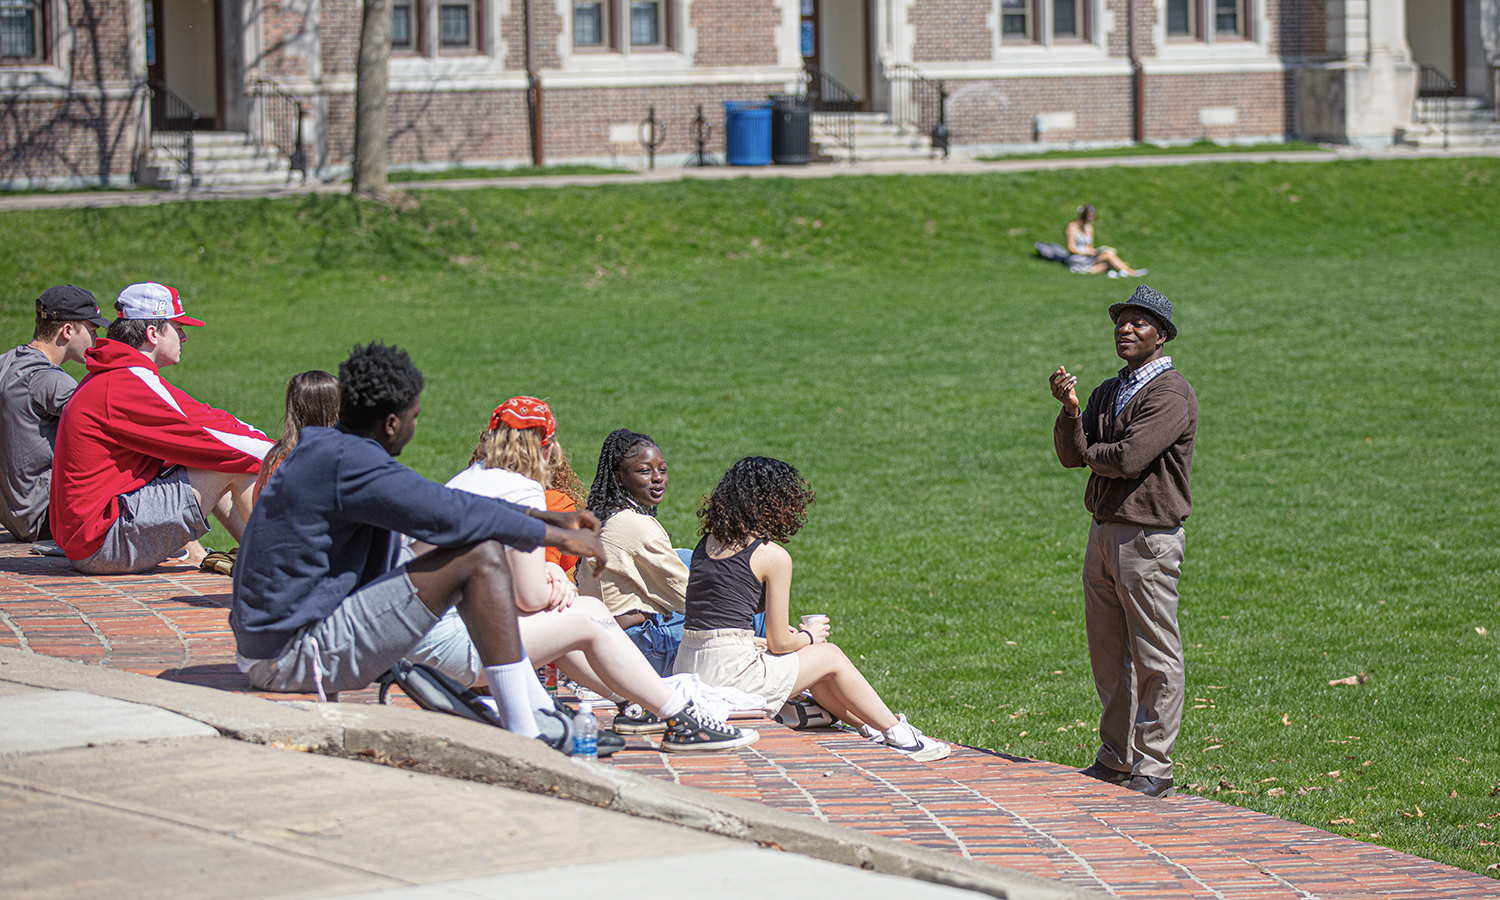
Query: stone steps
{"points": [[220, 159], [875, 138], [1469, 123]]}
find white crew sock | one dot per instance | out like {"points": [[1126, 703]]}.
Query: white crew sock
{"points": [[674, 706], [537, 694], [508, 687]]}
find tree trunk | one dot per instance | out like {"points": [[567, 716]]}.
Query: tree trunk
{"points": [[371, 100]]}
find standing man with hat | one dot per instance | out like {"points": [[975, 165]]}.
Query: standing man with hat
{"points": [[139, 463], [33, 389], [1136, 438]]}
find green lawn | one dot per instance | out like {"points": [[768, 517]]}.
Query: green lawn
{"points": [[892, 337]]}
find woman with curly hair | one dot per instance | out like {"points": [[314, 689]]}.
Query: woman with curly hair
{"points": [[644, 582], [516, 455], [740, 568]]}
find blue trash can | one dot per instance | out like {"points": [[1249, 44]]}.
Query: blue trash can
{"points": [[747, 132]]}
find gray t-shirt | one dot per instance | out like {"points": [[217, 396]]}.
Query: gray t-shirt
{"points": [[32, 394]]}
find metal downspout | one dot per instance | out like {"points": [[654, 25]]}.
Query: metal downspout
{"points": [[533, 92], [1137, 76]]}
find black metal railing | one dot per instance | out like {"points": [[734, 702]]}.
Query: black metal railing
{"points": [[835, 105], [1434, 85], [276, 119], [918, 104], [173, 121]]}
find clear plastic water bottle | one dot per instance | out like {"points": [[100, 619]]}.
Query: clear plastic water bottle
{"points": [[585, 733]]}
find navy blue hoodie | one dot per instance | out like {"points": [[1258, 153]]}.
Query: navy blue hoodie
{"points": [[326, 525]]}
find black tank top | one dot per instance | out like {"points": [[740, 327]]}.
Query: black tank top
{"points": [[723, 593]]}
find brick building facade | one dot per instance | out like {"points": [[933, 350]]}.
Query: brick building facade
{"points": [[75, 107]]}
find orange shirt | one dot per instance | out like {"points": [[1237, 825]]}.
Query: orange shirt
{"points": [[557, 501]]}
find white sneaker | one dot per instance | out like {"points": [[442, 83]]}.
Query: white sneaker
{"points": [[1139, 272], [904, 737], [583, 693], [1114, 274], [873, 733]]}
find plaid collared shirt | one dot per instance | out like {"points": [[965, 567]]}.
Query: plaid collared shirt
{"points": [[1131, 383]]}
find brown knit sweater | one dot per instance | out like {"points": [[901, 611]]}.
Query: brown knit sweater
{"points": [[1139, 463]]}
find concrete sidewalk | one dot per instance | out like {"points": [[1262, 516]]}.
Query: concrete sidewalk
{"points": [[130, 799], [103, 199]]}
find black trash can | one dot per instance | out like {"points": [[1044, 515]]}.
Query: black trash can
{"points": [[791, 130]]}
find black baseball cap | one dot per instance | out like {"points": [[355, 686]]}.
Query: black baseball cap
{"points": [[67, 303]]}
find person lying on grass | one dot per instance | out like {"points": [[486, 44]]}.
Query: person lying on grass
{"points": [[321, 602], [644, 581], [515, 457], [1084, 258], [739, 569]]}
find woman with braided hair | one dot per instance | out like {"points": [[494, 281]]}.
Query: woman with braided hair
{"points": [[644, 582], [515, 457], [740, 568]]}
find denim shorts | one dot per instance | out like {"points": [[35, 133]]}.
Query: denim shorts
{"points": [[658, 640], [367, 634], [156, 520]]}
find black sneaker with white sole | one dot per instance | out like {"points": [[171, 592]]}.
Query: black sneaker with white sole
{"points": [[632, 719], [691, 730]]}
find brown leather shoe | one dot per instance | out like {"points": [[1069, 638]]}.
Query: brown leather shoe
{"points": [[1105, 774], [1152, 786]]}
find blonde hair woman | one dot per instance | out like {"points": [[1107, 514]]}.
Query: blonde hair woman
{"points": [[514, 459]]}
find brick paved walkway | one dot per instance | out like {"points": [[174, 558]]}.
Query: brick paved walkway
{"points": [[1029, 815]]}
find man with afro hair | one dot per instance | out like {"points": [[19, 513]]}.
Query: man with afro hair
{"points": [[320, 604]]}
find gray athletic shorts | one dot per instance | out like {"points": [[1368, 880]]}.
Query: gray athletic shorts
{"points": [[156, 520], [449, 649], [367, 634]]}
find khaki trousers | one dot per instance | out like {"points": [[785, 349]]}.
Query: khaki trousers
{"points": [[1130, 576]]}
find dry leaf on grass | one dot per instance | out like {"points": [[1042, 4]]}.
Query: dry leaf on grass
{"points": [[1286, 719], [1276, 792], [1361, 678], [1481, 630], [1343, 821]]}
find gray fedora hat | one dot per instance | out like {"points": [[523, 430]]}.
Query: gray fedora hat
{"points": [[1153, 302]]}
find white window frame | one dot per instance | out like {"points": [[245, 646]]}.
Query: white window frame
{"points": [[617, 15], [475, 15], [1204, 19]]}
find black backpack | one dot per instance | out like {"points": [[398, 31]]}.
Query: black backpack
{"points": [[431, 689]]}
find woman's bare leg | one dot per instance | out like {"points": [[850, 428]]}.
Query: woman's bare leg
{"points": [[575, 664], [825, 665], [829, 699], [1107, 260], [612, 658]]}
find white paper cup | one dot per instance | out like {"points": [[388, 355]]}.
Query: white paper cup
{"points": [[815, 617]]}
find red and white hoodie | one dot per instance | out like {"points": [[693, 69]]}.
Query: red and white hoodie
{"points": [[121, 427]]}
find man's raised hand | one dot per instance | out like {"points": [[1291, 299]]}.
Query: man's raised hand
{"points": [[1063, 388]]}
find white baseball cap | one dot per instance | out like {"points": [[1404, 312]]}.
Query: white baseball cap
{"points": [[150, 300]]}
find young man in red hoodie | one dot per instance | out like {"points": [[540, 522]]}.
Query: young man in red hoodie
{"points": [[137, 461]]}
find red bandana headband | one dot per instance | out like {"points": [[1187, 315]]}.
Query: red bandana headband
{"points": [[521, 413]]}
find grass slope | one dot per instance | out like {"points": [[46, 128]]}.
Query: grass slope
{"points": [[892, 337]]}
